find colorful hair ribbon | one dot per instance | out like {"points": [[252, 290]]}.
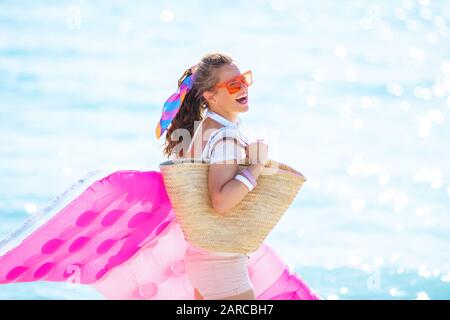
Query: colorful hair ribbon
{"points": [[173, 104]]}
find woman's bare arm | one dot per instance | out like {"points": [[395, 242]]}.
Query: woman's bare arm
{"points": [[225, 191]]}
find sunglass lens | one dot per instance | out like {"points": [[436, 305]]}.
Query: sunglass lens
{"points": [[234, 87]]}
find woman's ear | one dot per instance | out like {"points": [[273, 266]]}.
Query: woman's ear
{"points": [[209, 96]]}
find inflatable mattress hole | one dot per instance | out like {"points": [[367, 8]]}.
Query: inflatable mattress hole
{"points": [[44, 270], [101, 273], [86, 218], [105, 246], [51, 246], [138, 219], [78, 244], [111, 217], [15, 273]]}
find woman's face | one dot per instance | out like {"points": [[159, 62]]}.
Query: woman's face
{"points": [[220, 99]]}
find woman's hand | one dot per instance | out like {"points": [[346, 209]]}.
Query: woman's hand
{"points": [[258, 152]]}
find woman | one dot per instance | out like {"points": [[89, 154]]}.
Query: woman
{"points": [[117, 231], [221, 89]]}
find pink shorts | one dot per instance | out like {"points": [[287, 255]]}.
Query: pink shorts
{"points": [[217, 275]]}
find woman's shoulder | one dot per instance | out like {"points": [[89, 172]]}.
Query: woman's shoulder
{"points": [[227, 135], [228, 132]]}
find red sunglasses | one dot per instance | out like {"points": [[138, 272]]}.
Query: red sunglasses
{"points": [[235, 85]]}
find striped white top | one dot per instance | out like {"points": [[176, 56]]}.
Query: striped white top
{"points": [[221, 145]]}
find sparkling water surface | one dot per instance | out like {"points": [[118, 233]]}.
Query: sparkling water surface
{"points": [[354, 94]]}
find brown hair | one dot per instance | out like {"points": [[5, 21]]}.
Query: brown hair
{"points": [[194, 104]]}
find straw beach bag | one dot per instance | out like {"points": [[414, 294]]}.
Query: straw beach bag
{"points": [[244, 227]]}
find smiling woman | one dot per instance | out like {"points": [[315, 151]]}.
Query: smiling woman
{"points": [[219, 140], [118, 232]]}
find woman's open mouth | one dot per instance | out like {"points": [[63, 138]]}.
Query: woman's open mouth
{"points": [[243, 99]]}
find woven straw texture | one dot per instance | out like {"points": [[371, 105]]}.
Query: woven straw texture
{"points": [[243, 228]]}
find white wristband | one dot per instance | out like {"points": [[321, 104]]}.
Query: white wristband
{"points": [[245, 181]]}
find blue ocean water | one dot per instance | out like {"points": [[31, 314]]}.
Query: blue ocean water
{"points": [[354, 94]]}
